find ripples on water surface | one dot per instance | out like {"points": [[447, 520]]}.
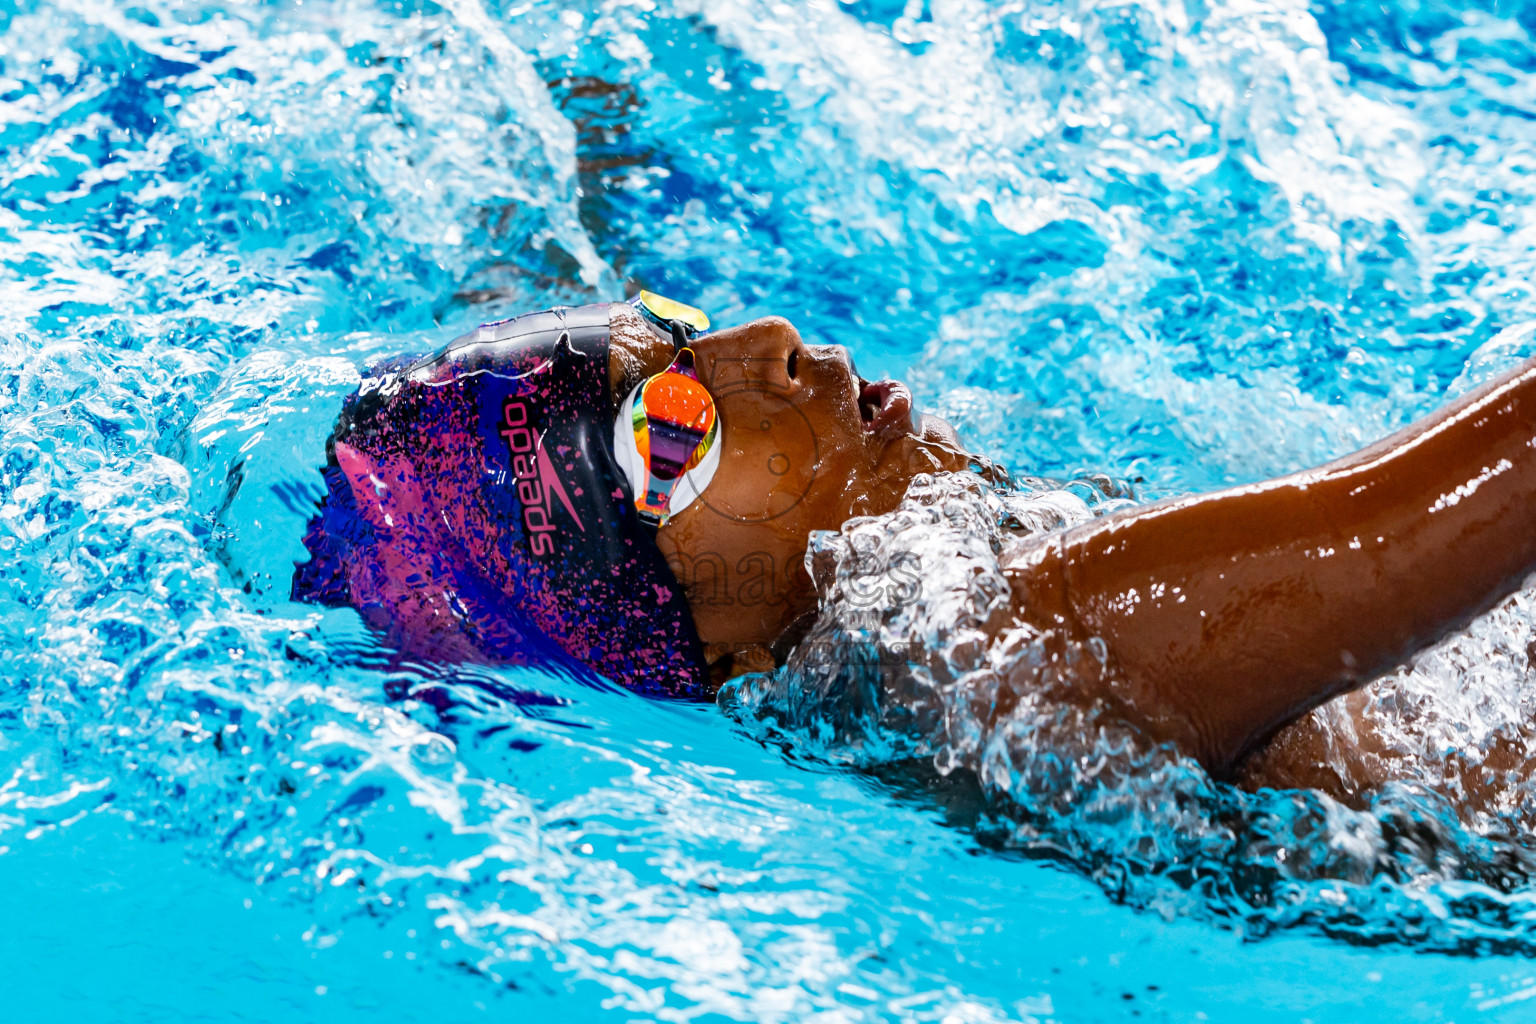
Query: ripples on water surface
{"points": [[1181, 244]]}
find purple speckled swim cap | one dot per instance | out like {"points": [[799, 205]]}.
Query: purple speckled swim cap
{"points": [[474, 511]]}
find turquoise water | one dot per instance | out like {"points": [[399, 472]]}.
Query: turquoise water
{"points": [[1179, 244]]}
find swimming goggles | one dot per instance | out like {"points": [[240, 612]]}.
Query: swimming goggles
{"points": [[667, 431], [662, 312]]}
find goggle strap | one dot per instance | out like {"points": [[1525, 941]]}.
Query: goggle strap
{"points": [[679, 336]]}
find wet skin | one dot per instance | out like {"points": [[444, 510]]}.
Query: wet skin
{"points": [[1225, 616], [1229, 615], [806, 445]]}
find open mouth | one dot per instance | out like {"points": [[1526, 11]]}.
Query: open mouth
{"points": [[883, 403]]}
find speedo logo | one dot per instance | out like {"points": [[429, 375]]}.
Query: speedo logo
{"points": [[537, 484]]}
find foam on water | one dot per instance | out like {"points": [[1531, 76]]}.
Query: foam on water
{"points": [[913, 659], [1179, 243]]}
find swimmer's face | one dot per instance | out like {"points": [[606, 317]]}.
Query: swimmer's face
{"points": [[806, 445]]}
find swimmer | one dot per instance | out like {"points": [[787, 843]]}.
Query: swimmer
{"points": [[618, 489]]}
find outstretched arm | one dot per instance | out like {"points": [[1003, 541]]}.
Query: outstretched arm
{"points": [[1228, 615]]}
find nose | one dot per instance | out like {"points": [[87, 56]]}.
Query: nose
{"points": [[760, 353]]}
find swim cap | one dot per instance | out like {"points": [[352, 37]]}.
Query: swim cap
{"points": [[474, 510]]}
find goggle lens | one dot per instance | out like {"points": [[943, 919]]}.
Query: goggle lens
{"points": [[662, 311]]}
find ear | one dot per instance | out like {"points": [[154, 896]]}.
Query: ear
{"points": [[727, 661]]}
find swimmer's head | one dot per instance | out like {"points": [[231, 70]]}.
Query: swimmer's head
{"points": [[491, 518], [805, 444]]}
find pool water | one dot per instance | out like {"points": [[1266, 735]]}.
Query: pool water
{"points": [[1180, 245]]}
